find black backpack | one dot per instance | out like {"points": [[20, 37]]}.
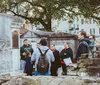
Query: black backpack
{"points": [[43, 63]]}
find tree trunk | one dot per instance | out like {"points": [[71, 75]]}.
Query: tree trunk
{"points": [[48, 19], [49, 25]]}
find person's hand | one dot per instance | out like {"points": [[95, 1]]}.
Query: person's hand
{"points": [[30, 55], [24, 54]]}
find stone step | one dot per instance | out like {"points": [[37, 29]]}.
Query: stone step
{"points": [[95, 61], [93, 69], [97, 54]]}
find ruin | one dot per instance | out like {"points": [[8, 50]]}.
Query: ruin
{"points": [[7, 58]]}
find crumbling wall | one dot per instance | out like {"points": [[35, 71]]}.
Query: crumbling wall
{"points": [[5, 44]]}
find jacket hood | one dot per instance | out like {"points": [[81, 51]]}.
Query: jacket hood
{"points": [[86, 39], [43, 48]]}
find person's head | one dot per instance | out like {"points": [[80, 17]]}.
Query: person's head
{"points": [[43, 42], [92, 37], [66, 45], [82, 34], [26, 42], [52, 47], [28, 54]]}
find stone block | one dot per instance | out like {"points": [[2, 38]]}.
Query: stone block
{"points": [[83, 70], [31, 80], [4, 77]]}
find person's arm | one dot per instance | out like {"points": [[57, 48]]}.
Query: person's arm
{"points": [[81, 50], [32, 50], [61, 55], [21, 51], [77, 53], [58, 58], [33, 58], [71, 54], [52, 56]]}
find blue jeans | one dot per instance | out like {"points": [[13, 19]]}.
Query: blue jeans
{"points": [[22, 65], [39, 74]]}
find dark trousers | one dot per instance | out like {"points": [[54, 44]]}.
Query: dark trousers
{"points": [[28, 66], [54, 71], [64, 68]]}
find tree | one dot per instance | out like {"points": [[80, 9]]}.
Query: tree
{"points": [[89, 8], [39, 11], [44, 11]]}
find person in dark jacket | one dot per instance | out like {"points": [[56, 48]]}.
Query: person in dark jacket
{"points": [[23, 50], [66, 53], [56, 64], [83, 45], [28, 65]]}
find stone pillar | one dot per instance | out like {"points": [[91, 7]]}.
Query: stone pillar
{"points": [[5, 44], [9, 56]]}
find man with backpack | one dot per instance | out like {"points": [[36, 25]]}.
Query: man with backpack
{"points": [[83, 46], [43, 57]]}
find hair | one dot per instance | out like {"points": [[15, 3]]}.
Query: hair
{"points": [[83, 33], [53, 44], [25, 40], [43, 42], [28, 53], [93, 36], [67, 43]]}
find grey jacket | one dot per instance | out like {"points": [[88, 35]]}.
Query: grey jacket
{"points": [[36, 54]]}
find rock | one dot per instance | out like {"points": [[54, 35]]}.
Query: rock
{"points": [[20, 79], [81, 65], [98, 80], [31, 80], [83, 70], [88, 81], [4, 77]]}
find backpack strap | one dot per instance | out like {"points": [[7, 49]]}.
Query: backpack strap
{"points": [[41, 51], [46, 51]]}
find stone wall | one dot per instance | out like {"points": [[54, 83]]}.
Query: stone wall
{"points": [[5, 44], [8, 60], [22, 79]]}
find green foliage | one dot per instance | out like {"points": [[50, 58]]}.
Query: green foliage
{"points": [[44, 11]]}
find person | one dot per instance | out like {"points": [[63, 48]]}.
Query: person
{"points": [[66, 53], [92, 44], [23, 50], [28, 65], [92, 40], [56, 64], [83, 47], [43, 57]]}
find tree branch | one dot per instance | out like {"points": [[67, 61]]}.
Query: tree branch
{"points": [[35, 4], [93, 16], [32, 20]]}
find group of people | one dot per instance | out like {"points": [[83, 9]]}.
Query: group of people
{"points": [[47, 60]]}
